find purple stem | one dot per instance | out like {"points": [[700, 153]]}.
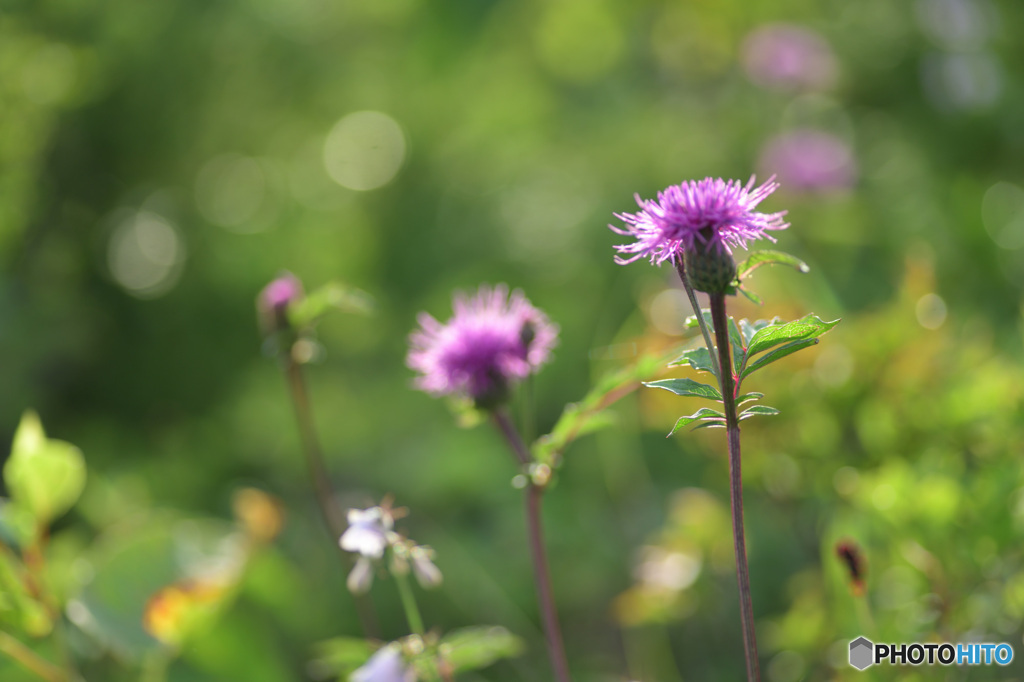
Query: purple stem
{"points": [[728, 385], [535, 531]]}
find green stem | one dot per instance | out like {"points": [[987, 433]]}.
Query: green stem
{"points": [[30, 660], [681, 269], [538, 554], [412, 611], [727, 382], [320, 480]]}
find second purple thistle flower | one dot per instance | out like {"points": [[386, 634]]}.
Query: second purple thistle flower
{"points": [[489, 344], [708, 213]]}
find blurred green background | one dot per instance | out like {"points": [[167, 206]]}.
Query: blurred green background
{"points": [[161, 161]]}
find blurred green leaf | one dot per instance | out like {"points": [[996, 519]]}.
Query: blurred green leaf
{"points": [[776, 354], [751, 296], [17, 606], [756, 410], [747, 397], [686, 387], [477, 647], [331, 296], [45, 476], [587, 415], [703, 413], [342, 655], [768, 257], [697, 358], [709, 424]]}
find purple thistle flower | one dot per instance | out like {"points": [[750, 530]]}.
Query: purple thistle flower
{"points": [[490, 343], [788, 57], [705, 212]]}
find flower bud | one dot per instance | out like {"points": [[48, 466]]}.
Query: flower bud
{"points": [[427, 574], [274, 300], [710, 268], [360, 579]]}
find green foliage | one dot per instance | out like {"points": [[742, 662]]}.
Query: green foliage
{"points": [[477, 647], [331, 296], [591, 413], [44, 476], [687, 387], [756, 259], [704, 414]]}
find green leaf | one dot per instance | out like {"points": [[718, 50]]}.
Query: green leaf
{"points": [[698, 358], [709, 424], [44, 476], [808, 327], [767, 257], [747, 397], [751, 296], [739, 346], [342, 655], [751, 328], [691, 321], [589, 414], [703, 413], [758, 410], [478, 647], [686, 387], [776, 354], [331, 296]]}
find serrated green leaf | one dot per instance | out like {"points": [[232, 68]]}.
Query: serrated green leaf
{"points": [[697, 358], [331, 296], [701, 414], [776, 354], [747, 397], [686, 387], [758, 410], [709, 424], [478, 647], [808, 327], [44, 476], [749, 329], [588, 415], [768, 257]]}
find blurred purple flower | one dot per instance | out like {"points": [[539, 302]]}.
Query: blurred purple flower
{"points": [[490, 343], [810, 160], [708, 212], [788, 57], [367, 532], [427, 574], [386, 665], [273, 301]]}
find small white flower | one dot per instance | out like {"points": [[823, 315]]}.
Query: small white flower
{"points": [[427, 574], [367, 533], [386, 665], [361, 578]]}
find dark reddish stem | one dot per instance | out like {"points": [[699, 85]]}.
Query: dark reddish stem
{"points": [[728, 385], [320, 480], [538, 554]]}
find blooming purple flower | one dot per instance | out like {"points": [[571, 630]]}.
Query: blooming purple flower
{"points": [[705, 213], [386, 665], [490, 343], [810, 160], [367, 532], [788, 57]]}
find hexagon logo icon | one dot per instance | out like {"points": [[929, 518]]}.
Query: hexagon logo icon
{"points": [[861, 650]]}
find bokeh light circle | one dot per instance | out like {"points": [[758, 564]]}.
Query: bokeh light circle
{"points": [[364, 150]]}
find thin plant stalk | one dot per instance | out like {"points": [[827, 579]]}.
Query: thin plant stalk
{"points": [[412, 611], [30, 660], [538, 555], [727, 382], [319, 478], [681, 269]]}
